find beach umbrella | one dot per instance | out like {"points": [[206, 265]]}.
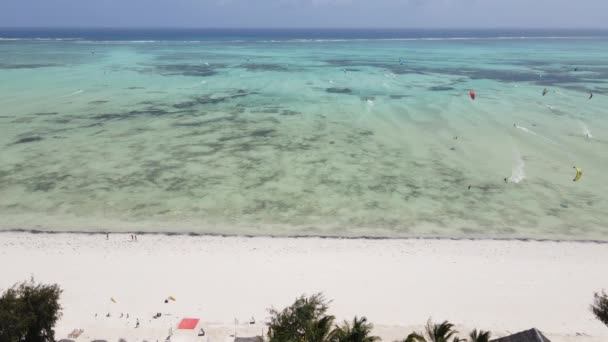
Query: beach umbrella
{"points": [[188, 323], [472, 94], [113, 300], [545, 91], [172, 298]]}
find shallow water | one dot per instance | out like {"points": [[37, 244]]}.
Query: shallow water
{"points": [[304, 137]]}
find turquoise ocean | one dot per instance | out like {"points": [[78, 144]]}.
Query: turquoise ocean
{"points": [[305, 132]]}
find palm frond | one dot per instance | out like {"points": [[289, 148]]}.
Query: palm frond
{"points": [[414, 337], [441, 332], [479, 336]]}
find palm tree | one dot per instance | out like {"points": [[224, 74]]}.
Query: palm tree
{"points": [[319, 330], [303, 321], [359, 331], [600, 307], [479, 336], [442, 332]]}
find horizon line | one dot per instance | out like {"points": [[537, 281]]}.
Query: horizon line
{"points": [[300, 28]]}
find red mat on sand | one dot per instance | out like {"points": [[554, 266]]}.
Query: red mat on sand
{"points": [[188, 323]]}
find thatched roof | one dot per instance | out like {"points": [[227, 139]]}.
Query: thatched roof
{"points": [[532, 335]]}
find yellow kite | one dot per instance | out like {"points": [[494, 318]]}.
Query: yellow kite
{"points": [[579, 174]]}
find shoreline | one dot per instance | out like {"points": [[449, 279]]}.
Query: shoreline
{"points": [[303, 236], [502, 286]]}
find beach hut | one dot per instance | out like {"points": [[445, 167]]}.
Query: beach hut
{"points": [[532, 335]]}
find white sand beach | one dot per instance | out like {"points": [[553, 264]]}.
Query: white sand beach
{"points": [[503, 286]]}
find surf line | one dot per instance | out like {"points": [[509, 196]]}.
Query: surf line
{"points": [[74, 93], [529, 131]]}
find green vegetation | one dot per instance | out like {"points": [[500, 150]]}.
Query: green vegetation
{"points": [[443, 332], [28, 312], [600, 307], [359, 331], [479, 336], [306, 320]]}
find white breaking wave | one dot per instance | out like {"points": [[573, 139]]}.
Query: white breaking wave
{"points": [[525, 129], [41, 39], [517, 169], [74, 93], [529, 131], [83, 40], [370, 105], [586, 131], [411, 39]]}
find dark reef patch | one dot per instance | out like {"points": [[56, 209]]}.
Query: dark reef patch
{"points": [[204, 122], [339, 90], [59, 121], [198, 70], [255, 67], [288, 112], [209, 99], [43, 114], [151, 112], [269, 110], [440, 88], [259, 133], [7, 66], [549, 76], [27, 140], [262, 132]]}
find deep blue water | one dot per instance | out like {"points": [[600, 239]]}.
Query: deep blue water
{"points": [[181, 34]]}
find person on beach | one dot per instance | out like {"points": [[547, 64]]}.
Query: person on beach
{"points": [[107, 236], [137, 323]]}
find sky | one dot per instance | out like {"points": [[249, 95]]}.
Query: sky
{"points": [[306, 13]]}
